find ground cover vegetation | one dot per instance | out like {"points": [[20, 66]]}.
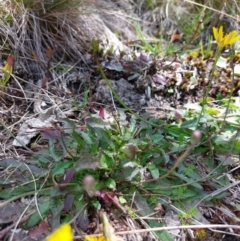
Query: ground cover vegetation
{"points": [[119, 120]]}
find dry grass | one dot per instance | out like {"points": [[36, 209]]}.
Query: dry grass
{"points": [[29, 28], [34, 27]]}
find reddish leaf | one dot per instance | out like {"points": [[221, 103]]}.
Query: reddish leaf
{"points": [[175, 37], [109, 198], [39, 231], [68, 176], [49, 52], [68, 202], [144, 58], [83, 221], [34, 54], [44, 82], [101, 113], [10, 60], [160, 79]]}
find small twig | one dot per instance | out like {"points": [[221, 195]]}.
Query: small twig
{"points": [[178, 162], [217, 192], [180, 227]]}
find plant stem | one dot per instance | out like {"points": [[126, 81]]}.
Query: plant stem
{"points": [[178, 162], [205, 98]]}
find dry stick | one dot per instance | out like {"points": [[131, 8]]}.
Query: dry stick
{"points": [[204, 226], [180, 227], [179, 160]]}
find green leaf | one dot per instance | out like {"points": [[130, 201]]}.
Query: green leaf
{"points": [[156, 138], [88, 161], [86, 138], [122, 200], [236, 144], [130, 173], [110, 183], [154, 170], [96, 204], [43, 209], [189, 123], [104, 138], [60, 167], [186, 179], [106, 161], [132, 126], [10, 192], [165, 156], [77, 137], [56, 156]]}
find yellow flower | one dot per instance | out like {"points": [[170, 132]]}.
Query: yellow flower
{"points": [[63, 233], [95, 238], [228, 39]]}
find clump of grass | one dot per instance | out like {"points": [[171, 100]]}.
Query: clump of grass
{"points": [[28, 27]]}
